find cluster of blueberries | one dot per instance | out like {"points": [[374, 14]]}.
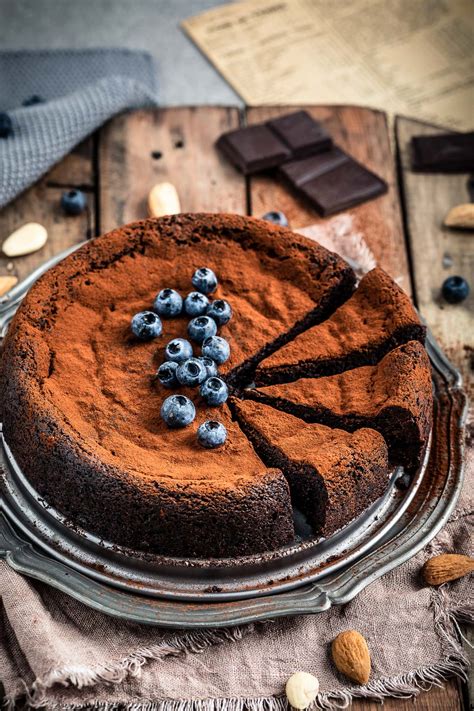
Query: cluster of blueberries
{"points": [[181, 367]]}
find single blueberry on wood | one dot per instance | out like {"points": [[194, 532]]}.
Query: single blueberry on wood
{"points": [[73, 202], [168, 303], [216, 348], [211, 434], [191, 372], [202, 327], [178, 350], [455, 289], [214, 391], [166, 374], [195, 304], [146, 325], [178, 411], [204, 280]]}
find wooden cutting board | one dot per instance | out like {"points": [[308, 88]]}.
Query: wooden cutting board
{"points": [[119, 164]]}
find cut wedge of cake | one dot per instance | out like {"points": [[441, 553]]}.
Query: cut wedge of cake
{"points": [[333, 475]]}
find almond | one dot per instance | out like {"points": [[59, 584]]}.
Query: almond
{"points": [[461, 216], [351, 656], [7, 283], [301, 689], [26, 239], [163, 200], [445, 567]]}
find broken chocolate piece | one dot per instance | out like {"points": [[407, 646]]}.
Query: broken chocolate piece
{"points": [[253, 148], [302, 134], [333, 181], [443, 153]]}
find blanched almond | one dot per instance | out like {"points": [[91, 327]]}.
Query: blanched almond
{"points": [[163, 200], [26, 239]]}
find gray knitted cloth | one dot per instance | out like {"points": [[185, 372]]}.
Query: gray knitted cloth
{"points": [[80, 91]]}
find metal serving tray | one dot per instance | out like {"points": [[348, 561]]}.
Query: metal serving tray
{"points": [[306, 577]]}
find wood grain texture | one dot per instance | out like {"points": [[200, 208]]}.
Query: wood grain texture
{"points": [[364, 134], [41, 203], [438, 252], [445, 698], [176, 145]]}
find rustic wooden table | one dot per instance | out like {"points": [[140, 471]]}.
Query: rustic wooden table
{"points": [[118, 165]]}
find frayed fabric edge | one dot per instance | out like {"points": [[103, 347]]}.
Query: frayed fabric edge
{"points": [[454, 663]]}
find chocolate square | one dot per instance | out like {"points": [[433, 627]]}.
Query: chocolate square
{"points": [[253, 148], [333, 181], [302, 134], [443, 153]]}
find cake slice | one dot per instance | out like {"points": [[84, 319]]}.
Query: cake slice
{"points": [[333, 475], [378, 317], [394, 397]]}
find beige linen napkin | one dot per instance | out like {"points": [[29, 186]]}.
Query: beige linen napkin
{"points": [[65, 655]]}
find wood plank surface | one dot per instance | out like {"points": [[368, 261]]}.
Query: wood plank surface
{"points": [[176, 145], [139, 149], [438, 252], [364, 134]]}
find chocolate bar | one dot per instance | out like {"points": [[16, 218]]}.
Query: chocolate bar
{"points": [[332, 181], [253, 148], [301, 133], [265, 146], [443, 153]]}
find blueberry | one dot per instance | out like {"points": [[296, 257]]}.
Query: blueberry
{"points": [[201, 328], [6, 126], [211, 434], [178, 350], [166, 374], [220, 311], [178, 411], [214, 391], [204, 280], [168, 303], [216, 348], [195, 304], [277, 217], [191, 372], [32, 100], [73, 202], [146, 325], [211, 367], [455, 289]]}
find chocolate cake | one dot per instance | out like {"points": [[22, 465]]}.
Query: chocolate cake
{"points": [[333, 475], [80, 403], [80, 411], [378, 317], [393, 397]]}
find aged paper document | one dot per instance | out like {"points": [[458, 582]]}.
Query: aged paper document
{"points": [[411, 57]]}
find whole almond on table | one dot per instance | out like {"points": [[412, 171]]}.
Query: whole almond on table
{"points": [[351, 656], [445, 567], [461, 216], [301, 689]]}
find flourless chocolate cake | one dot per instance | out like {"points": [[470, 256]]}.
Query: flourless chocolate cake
{"points": [[393, 397], [378, 317], [80, 403]]}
